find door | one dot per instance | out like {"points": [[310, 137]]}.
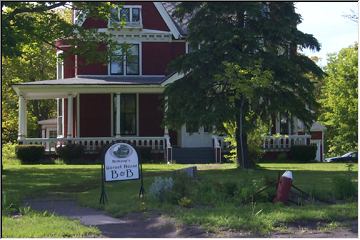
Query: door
{"points": [[318, 149]]}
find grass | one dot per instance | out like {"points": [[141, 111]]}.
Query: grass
{"points": [[34, 224], [83, 182]]}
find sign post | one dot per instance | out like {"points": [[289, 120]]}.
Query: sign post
{"points": [[120, 163]]}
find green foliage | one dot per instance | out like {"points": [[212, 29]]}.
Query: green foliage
{"points": [[185, 202], [339, 101], [246, 63], [303, 153], [30, 153], [344, 188], [38, 62], [70, 153], [281, 157]]}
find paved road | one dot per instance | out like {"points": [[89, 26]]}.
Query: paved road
{"points": [[137, 225]]}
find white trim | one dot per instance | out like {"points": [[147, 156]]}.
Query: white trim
{"points": [[137, 114], [63, 117], [78, 116], [166, 17], [112, 114], [57, 64], [173, 78], [118, 116], [70, 117]]}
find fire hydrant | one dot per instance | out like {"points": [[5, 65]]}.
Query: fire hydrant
{"points": [[283, 188]]}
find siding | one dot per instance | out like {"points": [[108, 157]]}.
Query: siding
{"points": [[150, 115], [95, 115], [156, 56]]}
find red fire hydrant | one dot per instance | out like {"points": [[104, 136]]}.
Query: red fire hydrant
{"points": [[283, 188]]}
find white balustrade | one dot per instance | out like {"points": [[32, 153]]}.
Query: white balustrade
{"points": [[94, 144], [283, 142]]}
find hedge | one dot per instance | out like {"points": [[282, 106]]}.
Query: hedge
{"points": [[30, 153], [303, 153]]}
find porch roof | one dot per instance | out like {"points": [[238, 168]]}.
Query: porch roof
{"points": [[102, 80], [50, 89]]}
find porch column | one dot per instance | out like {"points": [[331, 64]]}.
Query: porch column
{"points": [[22, 119], [166, 130], [118, 115], [69, 116], [277, 123]]}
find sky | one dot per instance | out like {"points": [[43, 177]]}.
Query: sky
{"points": [[326, 22]]}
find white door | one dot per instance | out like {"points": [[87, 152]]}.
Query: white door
{"points": [[200, 138]]}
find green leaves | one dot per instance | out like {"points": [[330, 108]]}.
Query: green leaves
{"points": [[339, 101]]}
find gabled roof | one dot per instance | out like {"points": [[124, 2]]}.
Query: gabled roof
{"points": [[181, 25]]}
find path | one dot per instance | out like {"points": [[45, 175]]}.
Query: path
{"points": [[156, 225], [133, 225]]}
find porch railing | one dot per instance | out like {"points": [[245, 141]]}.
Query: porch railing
{"points": [[284, 142], [94, 144]]}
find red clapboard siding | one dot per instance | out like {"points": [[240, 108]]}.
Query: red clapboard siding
{"points": [[157, 55], [94, 23], [316, 135], [150, 115], [95, 115]]}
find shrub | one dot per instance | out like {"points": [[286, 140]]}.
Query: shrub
{"points": [[281, 157], [255, 153], [30, 153], [70, 153], [160, 188], [344, 188], [303, 153], [144, 154], [185, 202]]}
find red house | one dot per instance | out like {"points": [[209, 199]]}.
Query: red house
{"points": [[101, 103]]}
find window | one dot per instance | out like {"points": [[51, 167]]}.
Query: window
{"points": [[128, 119], [131, 15], [117, 63], [284, 124], [129, 61], [128, 114]]}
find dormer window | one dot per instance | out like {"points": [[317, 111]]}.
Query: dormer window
{"points": [[131, 15]]}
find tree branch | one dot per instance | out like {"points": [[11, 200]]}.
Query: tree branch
{"points": [[41, 8]]}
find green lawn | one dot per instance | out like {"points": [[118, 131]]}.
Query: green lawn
{"points": [[83, 182]]}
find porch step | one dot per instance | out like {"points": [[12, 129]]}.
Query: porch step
{"points": [[194, 155]]}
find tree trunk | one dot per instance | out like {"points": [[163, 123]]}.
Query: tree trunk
{"points": [[242, 160]]}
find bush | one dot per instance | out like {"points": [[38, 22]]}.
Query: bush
{"points": [[70, 153], [281, 157], [144, 154], [30, 153], [160, 188], [344, 188], [303, 153], [255, 153]]}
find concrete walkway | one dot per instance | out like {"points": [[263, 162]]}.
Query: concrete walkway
{"points": [[137, 225]]}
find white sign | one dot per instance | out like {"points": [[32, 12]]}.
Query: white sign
{"points": [[121, 163]]}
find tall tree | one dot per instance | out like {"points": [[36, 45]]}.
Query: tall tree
{"points": [[247, 62], [339, 101]]}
